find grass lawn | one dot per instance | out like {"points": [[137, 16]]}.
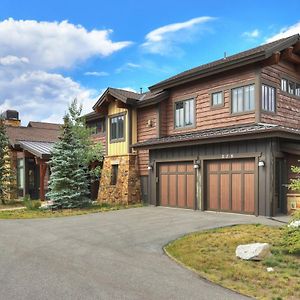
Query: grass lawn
{"points": [[39, 213], [212, 255]]}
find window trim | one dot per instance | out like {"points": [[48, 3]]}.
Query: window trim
{"points": [[222, 92], [236, 86], [286, 93], [123, 139], [174, 114], [270, 84]]}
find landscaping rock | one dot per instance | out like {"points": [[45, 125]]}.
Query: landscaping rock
{"points": [[270, 269], [294, 224], [255, 251]]}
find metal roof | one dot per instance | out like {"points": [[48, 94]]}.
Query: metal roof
{"points": [[39, 149]]}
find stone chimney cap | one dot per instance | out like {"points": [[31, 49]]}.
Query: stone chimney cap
{"points": [[10, 115]]}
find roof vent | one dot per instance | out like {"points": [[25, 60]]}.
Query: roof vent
{"points": [[225, 55], [141, 90]]}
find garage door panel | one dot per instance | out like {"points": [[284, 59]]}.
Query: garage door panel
{"points": [[225, 166], [213, 166], [213, 191], [236, 192], [236, 166], [249, 203], [190, 191], [177, 184], [249, 165], [182, 190], [224, 192], [172, 190], [164, 190]]}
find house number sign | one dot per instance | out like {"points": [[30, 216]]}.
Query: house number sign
{"points": [[227, 155]]}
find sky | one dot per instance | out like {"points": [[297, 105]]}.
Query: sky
{"points": [[54, 51]]}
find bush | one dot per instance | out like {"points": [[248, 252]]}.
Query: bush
{"points": [[291, 237], [31, 204]]}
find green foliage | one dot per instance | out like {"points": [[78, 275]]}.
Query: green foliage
{"points": [[295, 182], [31, 204], [68, 183], [291, 237], [7, 178], [89, 152]]}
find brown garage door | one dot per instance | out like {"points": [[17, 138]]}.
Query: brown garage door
{"points": [[231, 185], [177, 184]]}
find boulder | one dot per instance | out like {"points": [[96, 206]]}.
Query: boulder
{"points": [[294, 224], [255, 251]]}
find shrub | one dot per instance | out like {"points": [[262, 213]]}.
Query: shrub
{"points": [[31, 204], [291, 237]]}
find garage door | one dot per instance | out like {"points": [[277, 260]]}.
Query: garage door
{"points": [[231, 185], [177, 184]]}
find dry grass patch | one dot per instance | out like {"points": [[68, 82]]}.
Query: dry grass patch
{"points": [[42, 213], [212, 255]]}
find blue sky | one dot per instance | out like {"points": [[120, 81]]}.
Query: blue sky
{"points": [[53, 51]]}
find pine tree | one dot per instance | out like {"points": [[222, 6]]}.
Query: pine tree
{"points": [[7, 178], [68, 183]]}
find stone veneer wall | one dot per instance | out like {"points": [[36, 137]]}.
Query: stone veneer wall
{"points": [[128, 188]]}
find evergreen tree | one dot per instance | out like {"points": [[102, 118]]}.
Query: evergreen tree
{"points": [[7, 178], [68, 185]]}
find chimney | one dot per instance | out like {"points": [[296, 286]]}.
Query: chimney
{"points": [[11, 118], [141, 90]]}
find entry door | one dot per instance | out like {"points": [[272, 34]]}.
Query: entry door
{"points": [[230, 185], [177, 185], [33, 179]]}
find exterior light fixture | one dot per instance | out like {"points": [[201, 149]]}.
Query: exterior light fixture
{"points": [[150, 167], [261, 163], [197, 164]]}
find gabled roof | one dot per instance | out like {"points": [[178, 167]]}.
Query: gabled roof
{"points": [[44, 125], [204, 135], [240, 59], [131, 98], [16, 134]]}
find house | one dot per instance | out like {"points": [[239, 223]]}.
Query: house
{"points": [[30, 148], [222, 136]]}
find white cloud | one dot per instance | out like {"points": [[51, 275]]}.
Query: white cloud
{"points": [[42, 96], [251, 34], [97, 74], [30, 51], [127, 66], [285, 32], [162, 40], [13, 60], [51, 45]]}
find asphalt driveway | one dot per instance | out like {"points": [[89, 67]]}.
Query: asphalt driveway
{"points": [[114, 255]]}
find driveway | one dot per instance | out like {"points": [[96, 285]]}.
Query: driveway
{"points": [[113, 255]]}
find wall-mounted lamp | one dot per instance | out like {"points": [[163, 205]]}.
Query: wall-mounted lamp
{"points": [[261, 163], [150, 167], [197, 164]]}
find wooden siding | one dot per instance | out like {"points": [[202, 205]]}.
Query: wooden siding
{"points": [[117, 148], [146, 132], [206, 116], [100, 137], [287, 107]]}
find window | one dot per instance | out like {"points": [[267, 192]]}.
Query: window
{"points": [[243, 99], [117, 128], [20, 173], [114, 174], [268, 98], [291, 87], [217, 99], [297, 90], [284, 85], [97, 126], [184, 113]]}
